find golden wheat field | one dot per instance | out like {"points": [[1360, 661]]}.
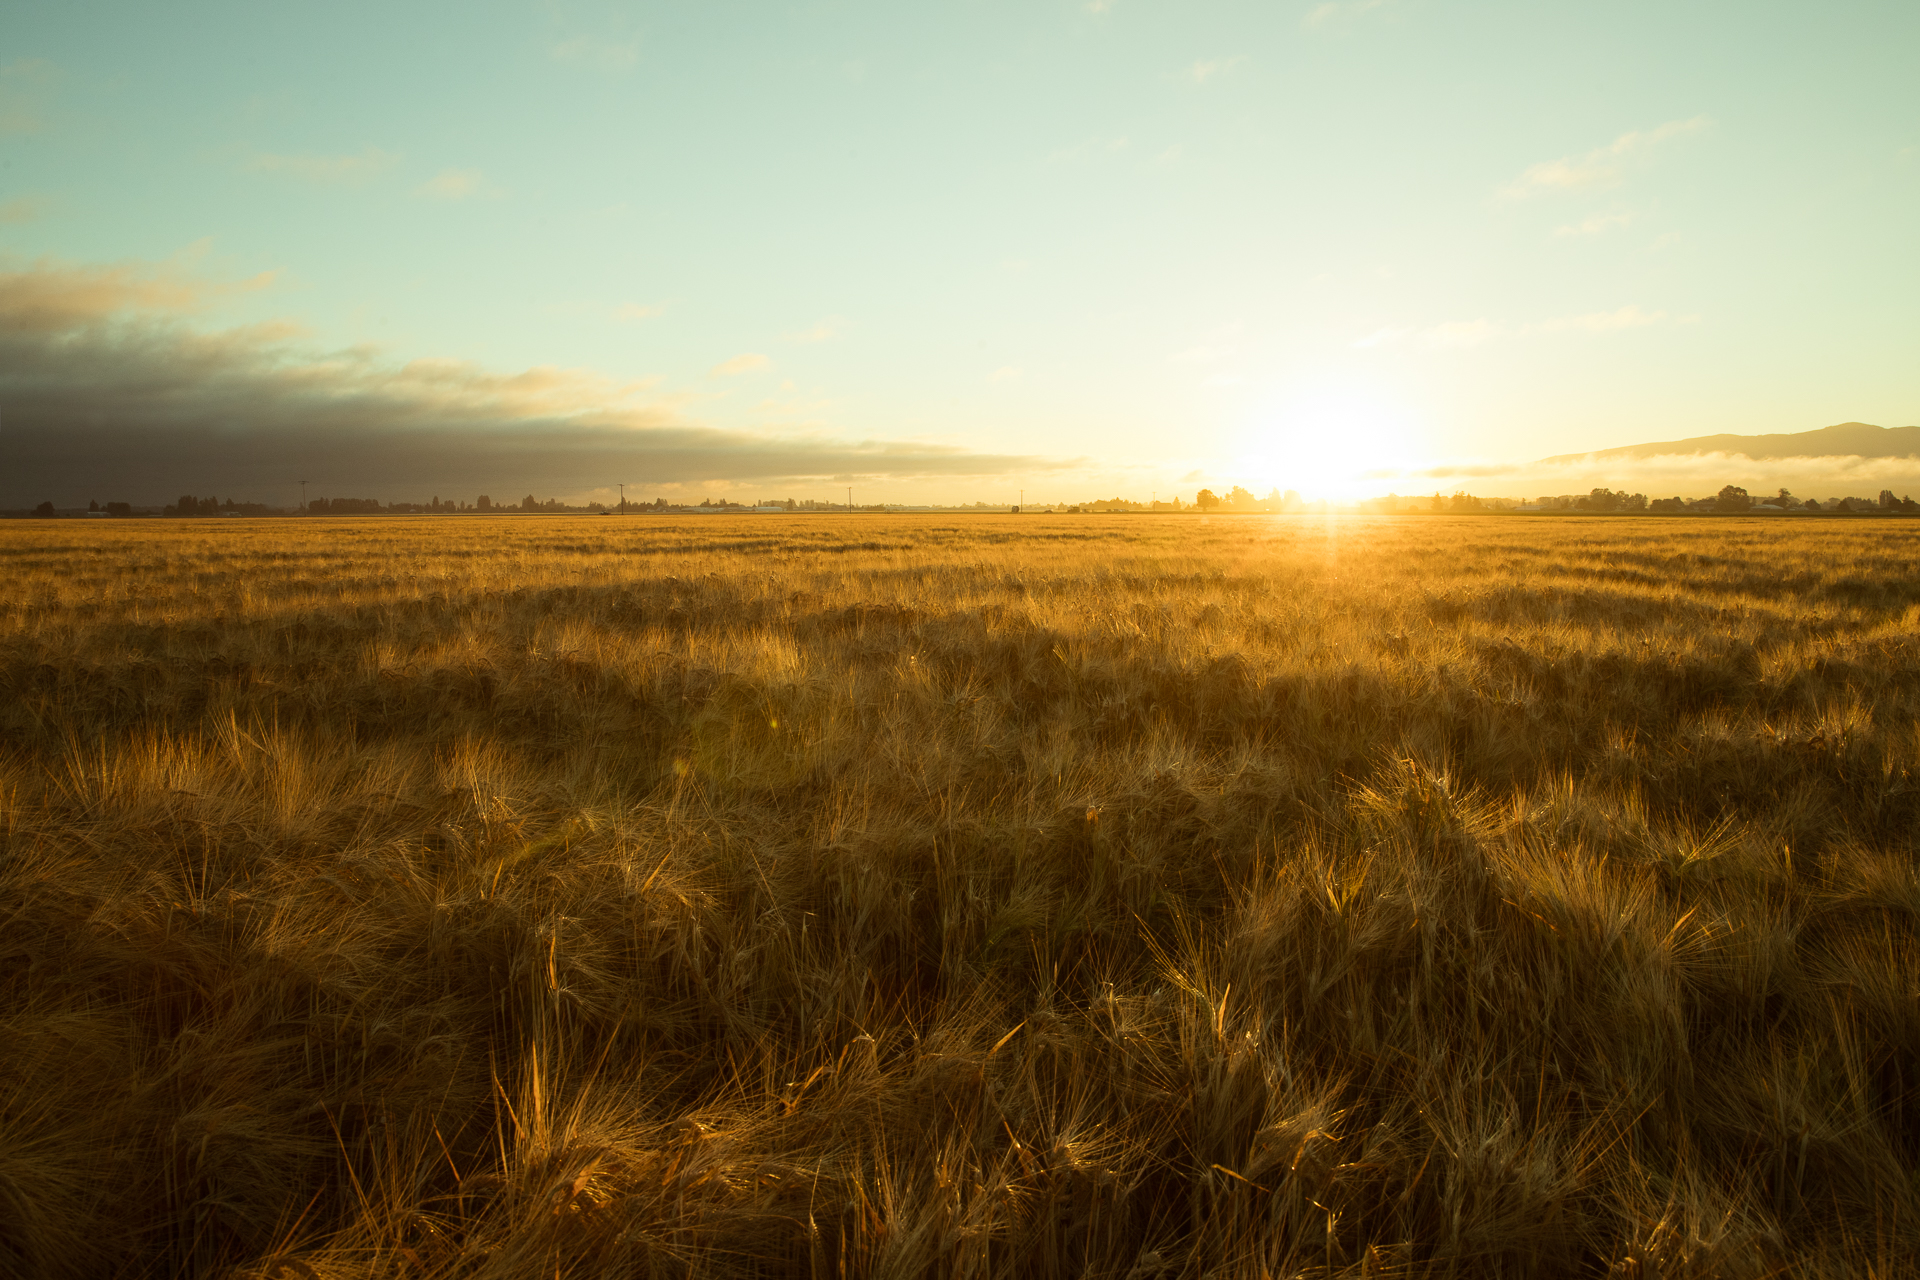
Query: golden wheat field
{"points": [[889, 896]]}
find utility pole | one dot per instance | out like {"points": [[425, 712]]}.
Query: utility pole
{"points": [[303, 497], [623, 499], [849, 499]]}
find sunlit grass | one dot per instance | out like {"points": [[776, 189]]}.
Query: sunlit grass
{"points": [[1085, 895]]}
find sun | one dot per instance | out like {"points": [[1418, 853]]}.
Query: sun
{"points": [[1336, 445]]}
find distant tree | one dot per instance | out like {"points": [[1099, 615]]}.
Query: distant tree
{"points": [[92, 505], [483, 503], [1600, 500], [1439, 503], [119, 508], [44, 511], [1786, 499], [1239, 497], [1463, 501], [1206, 500], [1667, 504], [528, 504], [1813, 504], [1887, 501], [1732, 498]]}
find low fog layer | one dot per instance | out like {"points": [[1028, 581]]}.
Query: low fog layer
{"points": [[107, 393], [1664, 471]]}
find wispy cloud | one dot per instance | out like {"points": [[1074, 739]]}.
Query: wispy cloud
{"points": [[1473, 333], [825, 331], [1461, 333], [1207, 69], [51, 297], [629, 312], [1628, 317], [23, 209], [747, 363], [25, 86], [348, 170], [1595, 224], [456, 184], [107, 390], [1323, 15], [1601, 167]]}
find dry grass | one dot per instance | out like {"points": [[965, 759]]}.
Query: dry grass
{"points": [[1135, 898]]}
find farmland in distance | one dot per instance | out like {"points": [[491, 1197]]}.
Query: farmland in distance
{"points": [[990, 896]]}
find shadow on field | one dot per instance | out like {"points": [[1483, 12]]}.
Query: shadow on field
{"points": [[958, 904]]}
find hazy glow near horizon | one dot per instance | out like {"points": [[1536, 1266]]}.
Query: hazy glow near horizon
{"points": [[1085, 248]]}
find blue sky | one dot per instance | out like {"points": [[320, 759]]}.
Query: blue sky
{"points": [[1108, 247]]}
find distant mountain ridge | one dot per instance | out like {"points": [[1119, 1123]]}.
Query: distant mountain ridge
{"points": [[1844, 440]]}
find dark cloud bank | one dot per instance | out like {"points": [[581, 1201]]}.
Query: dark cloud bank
{"points": [[107, 393]]}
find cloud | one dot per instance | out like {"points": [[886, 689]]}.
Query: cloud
{"points": [[48, 297], [825, 331], [1462, 333], [108, 391], [455, 184], [747, 363], [1205, 70], [1595, 224], [328, 170], [1601, 167], [1628, 317], [25, 86], [597, 52], [22, 209], [628, 312], [1322, 15]]}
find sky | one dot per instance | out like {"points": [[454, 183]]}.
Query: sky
{"points": [[940, 252]]}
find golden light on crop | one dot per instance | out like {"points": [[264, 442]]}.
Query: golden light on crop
{"points": [[492, 833]]}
